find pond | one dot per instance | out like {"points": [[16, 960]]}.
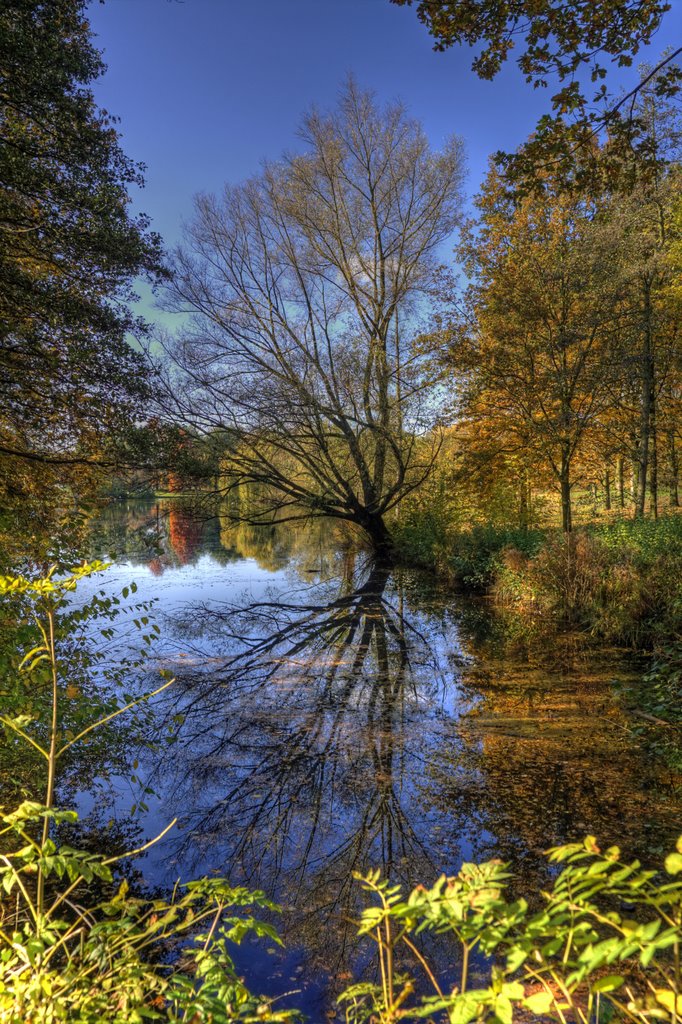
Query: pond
{"points": [[330, 715]]}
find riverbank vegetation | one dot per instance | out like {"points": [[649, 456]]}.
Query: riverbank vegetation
{"points": [[613, 579], [75, 943], [617, 579]]}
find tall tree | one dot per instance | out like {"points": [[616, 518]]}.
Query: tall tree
{"points": [[304, 284], [69, 247], [546, 294], [649, 229]]}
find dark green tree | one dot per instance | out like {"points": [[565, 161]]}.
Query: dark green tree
{"points": [[69, 247]]}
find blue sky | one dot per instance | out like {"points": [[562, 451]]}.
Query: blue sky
{"points": [[205, 89]]}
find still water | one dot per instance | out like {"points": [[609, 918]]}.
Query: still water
{"points": [[329, 715]]}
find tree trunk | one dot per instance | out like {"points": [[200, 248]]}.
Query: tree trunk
{"points": [[523, 501], [647, 400], [565, 484], [529, 499], [382, 370], [607, 489], [374, 526], [621, 481], [674, 471], [653, 487]]}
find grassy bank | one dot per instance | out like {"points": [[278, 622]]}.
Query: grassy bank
{"points": [[621, 580]]}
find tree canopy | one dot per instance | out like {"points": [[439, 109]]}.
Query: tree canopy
{"points": [[557, 38], [569, 360], [569, 46], [69, 247]]}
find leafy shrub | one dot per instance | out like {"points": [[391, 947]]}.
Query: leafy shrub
{"points": [[622, 581], [428, 533], [422, 528], [65, 956], [422, 539], [476, 555], [645, 539], [565, 578], [609, 933], [121, 960]]}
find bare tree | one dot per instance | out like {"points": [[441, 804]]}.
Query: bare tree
{"points": [[305, 284]]}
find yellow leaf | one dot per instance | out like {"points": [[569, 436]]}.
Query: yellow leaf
{"points": [[667, 998]]}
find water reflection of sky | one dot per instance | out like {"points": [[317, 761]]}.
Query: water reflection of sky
{"points": [[331, 716]]}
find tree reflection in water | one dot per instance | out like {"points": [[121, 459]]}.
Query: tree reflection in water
{"points": [[548, 756], [355, 716], [338, 727], [301, 751]]}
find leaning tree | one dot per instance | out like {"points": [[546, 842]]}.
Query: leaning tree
{"points": [[306, 287]]}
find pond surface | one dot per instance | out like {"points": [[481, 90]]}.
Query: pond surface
{"points": [[330, 715]]}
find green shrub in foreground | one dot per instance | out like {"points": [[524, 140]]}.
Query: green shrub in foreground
{"points": [[606, 943], [64, 954], [123, 959]]}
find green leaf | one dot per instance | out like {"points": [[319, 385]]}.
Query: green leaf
{"points": [[608, 983], [539, 1002]]}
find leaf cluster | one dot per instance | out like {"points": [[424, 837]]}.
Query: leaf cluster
{"points": [[125, 959], [607, 931]]}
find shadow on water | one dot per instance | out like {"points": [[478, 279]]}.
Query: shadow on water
{"points": [[334, 715]]}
